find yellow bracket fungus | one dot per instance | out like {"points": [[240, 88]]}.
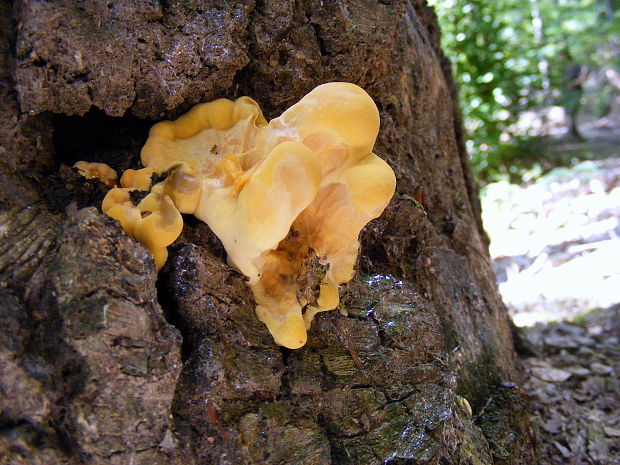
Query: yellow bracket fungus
{"points": [[155, 221], [140, 179], [279, 195], [99, 171]]}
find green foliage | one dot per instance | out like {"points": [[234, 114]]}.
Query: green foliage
{"points": [[510, 55]]}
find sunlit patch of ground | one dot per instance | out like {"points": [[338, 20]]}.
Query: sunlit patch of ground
{"points": [[556, 242]]}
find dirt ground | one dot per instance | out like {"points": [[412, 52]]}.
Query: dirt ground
{"points": [[556, 248], [574, 389]]}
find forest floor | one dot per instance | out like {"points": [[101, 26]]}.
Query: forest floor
{"points": [[555, 244]]}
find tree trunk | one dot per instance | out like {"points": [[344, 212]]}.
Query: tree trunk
{"points": [[104, 361]]}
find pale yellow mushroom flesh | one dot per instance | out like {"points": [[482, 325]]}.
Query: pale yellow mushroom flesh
{"points": [[99, 171], [304, 183]]}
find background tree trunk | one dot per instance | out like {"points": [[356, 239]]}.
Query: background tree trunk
{"points": [[104, 362]]}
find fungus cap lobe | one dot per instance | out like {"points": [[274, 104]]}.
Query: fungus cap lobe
{"points": [[302, 185], [99, 171]]}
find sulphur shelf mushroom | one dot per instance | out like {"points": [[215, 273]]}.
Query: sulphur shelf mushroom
{"points": [[99, 171], [155, 221], [303, 184]]}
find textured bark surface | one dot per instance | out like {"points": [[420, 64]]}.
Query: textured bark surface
{"points": [[102, 361]]}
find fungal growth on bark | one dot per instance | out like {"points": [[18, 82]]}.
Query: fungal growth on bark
{"points": [[282, 196], [99, 171]]}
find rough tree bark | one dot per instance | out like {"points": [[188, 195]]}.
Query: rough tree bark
{"points": [[102, 361]]}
